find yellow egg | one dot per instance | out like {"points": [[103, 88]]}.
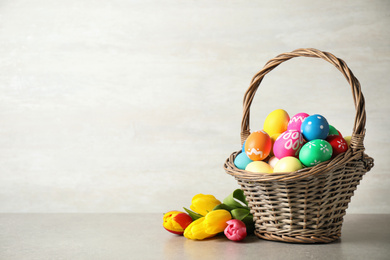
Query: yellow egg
{"points": [[276, 122], [288, 164], [259, 166], [348, 140]]}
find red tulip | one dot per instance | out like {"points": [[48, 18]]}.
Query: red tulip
{"points": [[236, 230]]}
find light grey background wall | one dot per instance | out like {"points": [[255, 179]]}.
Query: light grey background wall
{"points": [[133, 106]]}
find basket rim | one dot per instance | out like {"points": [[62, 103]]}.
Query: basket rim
{"points": [[339, 161]]}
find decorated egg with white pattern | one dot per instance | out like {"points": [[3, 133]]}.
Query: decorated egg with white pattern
{"points": [[315, 152], [288, 144], [315, 127], [258, 145], [338, 143], [296, 121]]}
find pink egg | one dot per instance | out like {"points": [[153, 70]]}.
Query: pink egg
{"points": [[288, 144], [296, 121]]}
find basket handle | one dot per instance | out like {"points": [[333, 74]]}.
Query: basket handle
{"points": [[358, 98]]}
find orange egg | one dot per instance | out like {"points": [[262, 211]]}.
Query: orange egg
{"points": [[258, 145]]}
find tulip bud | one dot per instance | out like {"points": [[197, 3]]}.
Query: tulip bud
{"points": [[203, 204], [176, 222], [196, 230], [236, 230], [216, 221]]}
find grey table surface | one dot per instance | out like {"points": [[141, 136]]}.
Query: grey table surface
{"points": [[141, 236]]}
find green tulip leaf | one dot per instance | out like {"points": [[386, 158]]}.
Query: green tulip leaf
{"points": [[250, 225], [223, 206], [236, 199], [192, 214], [240, 213]]}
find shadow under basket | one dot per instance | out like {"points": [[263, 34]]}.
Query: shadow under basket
{"points": [[306, 206]]}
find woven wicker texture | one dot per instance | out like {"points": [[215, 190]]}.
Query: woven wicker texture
{"points": [[306, 206]]}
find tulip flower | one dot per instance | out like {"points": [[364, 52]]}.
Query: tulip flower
{"points": [[203, 204], [196, 230], [210, 225], [176, 221], [215, 221], [236, 230]]}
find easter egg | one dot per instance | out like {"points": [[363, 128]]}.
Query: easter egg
{"points": [[288, 164], [315, 152], [315, 127], [288, 144], [348, 140], [258, 145], [272, 161], [241, 161], [333, 130], [276, 122], [259, 166], [338, 143], [296, 121], [243, 147]]}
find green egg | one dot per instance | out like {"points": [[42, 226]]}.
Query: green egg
{"points": [[315, 152], [333, 130]]}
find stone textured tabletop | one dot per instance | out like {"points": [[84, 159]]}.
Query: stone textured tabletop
{"points": [[141, 236]]}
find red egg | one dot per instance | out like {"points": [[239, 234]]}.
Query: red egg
{"points": [[338, 143], [258, 145]]}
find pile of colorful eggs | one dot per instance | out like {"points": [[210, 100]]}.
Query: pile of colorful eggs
{"points": [[288, 145]]}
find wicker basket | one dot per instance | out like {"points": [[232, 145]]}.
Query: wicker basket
{"points": [[306, 206]]}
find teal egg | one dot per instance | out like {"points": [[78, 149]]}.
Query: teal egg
{"points": [[241, 161], [315, 152]]}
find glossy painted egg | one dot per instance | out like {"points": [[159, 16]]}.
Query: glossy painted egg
{"points": [[288, 144], [348, 140], [315, 152], [338, 143], [259, 166], [241, 161], [258, 145], [296, 121], [272, 161], [276, 122], [333, 130], [315, 127], [243, 147], [288, 164]]}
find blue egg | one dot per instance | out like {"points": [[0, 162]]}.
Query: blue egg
{"points": [[243, 147], [315, 127], [241, 161]]}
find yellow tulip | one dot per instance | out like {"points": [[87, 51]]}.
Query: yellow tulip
{"points": [[210, 225], [203, 204], [196, 230], [176, 221], [215, 221]]}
